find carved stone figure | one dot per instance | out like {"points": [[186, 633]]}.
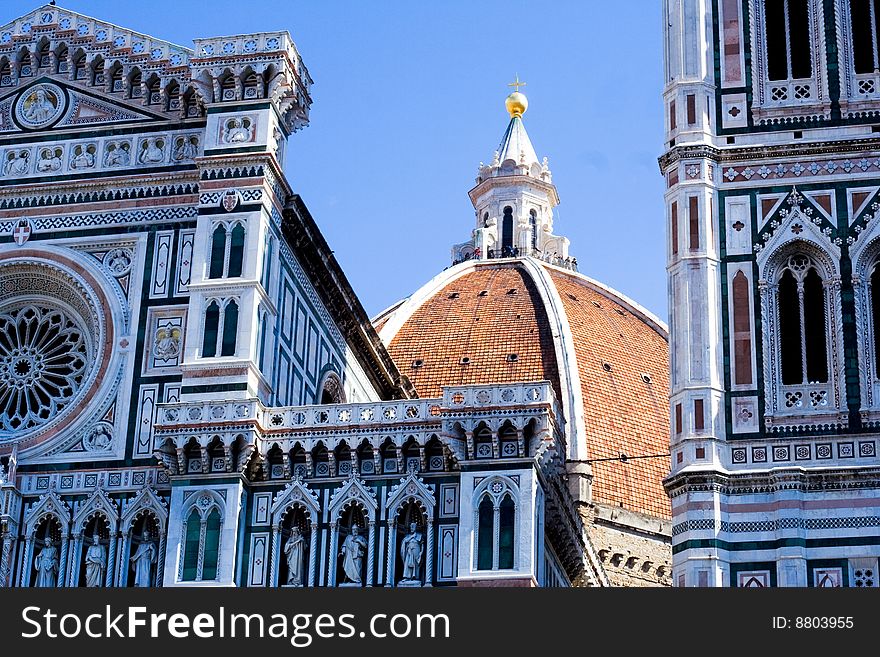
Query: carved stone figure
{"points": [[46, 564], [17, 163], [96, 563], [50, 160], [353, 550], [237, 131], [411, 553], [151, 152], [186, 148], [294, 551], [83, 157], [118, 261], [118, 155], [99, 438], [167, 345], [39, 107], [143, 560]]}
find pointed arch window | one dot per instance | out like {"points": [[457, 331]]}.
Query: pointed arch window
{"points": [[212, 327], [212, 545], [191, 546], [802, 334], [506, 519], [789, 72], [201, 541], [485, 534], [803, 330], [227, 251], [788, 39], [875, 316], [264, 328], [220, 329], [230, 329], [495, 525], [236, 251]]}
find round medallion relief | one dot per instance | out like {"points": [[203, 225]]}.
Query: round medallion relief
{"points": [[40, 105]]}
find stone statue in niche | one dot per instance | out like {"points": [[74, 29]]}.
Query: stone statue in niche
{"points": [[118, 155], [17, 163], [294, 551], [96, 563], [411, 553], [353, 550], [50, 160], [152, 151], [46, 564], [142, 561]]}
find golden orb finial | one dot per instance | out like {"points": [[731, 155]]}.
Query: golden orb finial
{"points": [[516, 103]]}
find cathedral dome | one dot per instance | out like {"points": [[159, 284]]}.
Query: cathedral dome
{"points": [[523, 319]]}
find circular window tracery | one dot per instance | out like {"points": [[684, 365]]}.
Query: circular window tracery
{"points": [[44, 358], [56, 328]]}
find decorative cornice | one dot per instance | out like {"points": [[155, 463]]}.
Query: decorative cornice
{"points": [[773, 481], [788, 150]]}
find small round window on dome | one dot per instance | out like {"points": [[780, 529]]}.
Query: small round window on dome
{"points": [[454, 295], [418, 362], [512, 290], [606, 367], [646, 378], [596, 303], [572, 297], [483, 293], [620, 312], [512, 358], [465, 361]]}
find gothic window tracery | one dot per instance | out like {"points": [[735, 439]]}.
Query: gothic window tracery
{"points": [[804, 349], [802, 336], [858, 48], [220, 328], [44, 360], [788, 58], [495, 517], [201, 538], [227, 250]]}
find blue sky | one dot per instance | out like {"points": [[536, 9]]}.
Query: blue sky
{"points": [[409, 98]]}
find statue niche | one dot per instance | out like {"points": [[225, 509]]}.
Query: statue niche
{"points": [[95, 547], [411, 538], [351, 570], [46, 561], [295, 535], [143, 552]]}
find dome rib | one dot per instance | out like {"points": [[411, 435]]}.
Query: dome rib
{"points": [[564, 327]]}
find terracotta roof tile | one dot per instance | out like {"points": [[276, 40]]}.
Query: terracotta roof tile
{"points": [[624, 414], [459, 323]]}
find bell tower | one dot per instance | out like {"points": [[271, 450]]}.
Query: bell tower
{"points": [[514, 199]]}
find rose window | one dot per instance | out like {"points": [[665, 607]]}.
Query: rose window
{"points": [[44, 360], [56, 333]]}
